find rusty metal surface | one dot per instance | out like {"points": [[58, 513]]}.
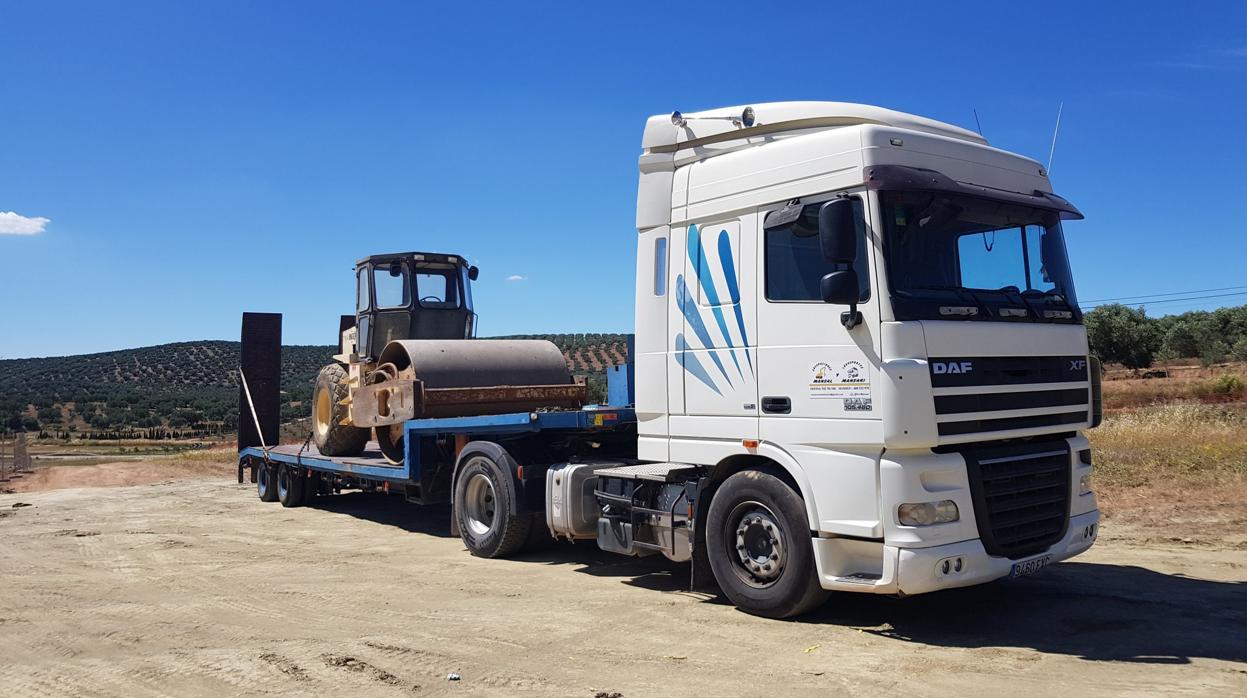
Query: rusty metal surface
{"points": [[389, 402], [499, 399]]}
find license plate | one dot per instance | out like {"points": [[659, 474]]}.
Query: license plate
{"points": [[1029, 566]]}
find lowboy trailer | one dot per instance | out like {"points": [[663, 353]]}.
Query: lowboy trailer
{"points": [[859, 365]]}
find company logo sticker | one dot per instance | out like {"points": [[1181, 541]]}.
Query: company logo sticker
{"points": [[848, 381]]}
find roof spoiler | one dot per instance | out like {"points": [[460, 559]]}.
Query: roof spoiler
{"points": [[917, 179]]}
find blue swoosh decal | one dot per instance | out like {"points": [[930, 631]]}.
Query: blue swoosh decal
{"points": [[689, 362], [729, 272], [696, 255], [689, 308]]}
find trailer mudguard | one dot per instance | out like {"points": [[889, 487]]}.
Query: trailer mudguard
{"points": [[522, 499]]}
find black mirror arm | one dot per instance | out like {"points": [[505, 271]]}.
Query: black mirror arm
{"points": [[852, 317]]}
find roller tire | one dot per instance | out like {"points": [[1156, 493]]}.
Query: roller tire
{"points": [[331, 436], [500, 533], [795, 588]]}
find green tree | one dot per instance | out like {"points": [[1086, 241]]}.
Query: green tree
{"points": [[1122, 334]]}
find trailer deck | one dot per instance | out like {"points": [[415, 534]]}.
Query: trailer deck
{"points": [[372, 465]]}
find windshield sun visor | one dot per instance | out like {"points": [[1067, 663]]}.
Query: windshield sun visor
{"points": [[879, 177]]}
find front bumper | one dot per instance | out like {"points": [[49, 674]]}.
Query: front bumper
{"points": [[908, 571]]}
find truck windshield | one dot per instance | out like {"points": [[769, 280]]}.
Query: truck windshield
{"points": [[961, 257]]}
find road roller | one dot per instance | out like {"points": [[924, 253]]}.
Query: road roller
{"points": [[410, 352]]}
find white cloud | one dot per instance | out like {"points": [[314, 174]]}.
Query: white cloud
{"points": [[517, 277], [15, 224]]}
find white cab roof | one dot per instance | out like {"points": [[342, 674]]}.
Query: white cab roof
{"points": [[661, 135]]}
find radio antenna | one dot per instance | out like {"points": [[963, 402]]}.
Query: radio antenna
{"points": [[976, 122], [1055, 130]]}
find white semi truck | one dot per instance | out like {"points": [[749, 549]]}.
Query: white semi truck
{"points": [[859, 365]]}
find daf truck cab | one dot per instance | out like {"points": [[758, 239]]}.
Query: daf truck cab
{"points": [[875, 309]]}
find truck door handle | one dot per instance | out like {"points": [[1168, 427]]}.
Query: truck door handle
{"points": [[776, 404]]}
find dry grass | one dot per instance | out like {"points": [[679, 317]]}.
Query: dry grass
{"points": [[1184, 441], [1175, 472], [1125, 389]]}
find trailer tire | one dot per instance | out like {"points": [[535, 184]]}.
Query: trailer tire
{"points": [[758, 541], [290, 486], [485, 505], [266, 482], [331, 436]]}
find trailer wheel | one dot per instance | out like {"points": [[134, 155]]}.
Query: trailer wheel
{"points": [[265, 485], [332, 437], [759, 546], [485, 509], [289, 487]]}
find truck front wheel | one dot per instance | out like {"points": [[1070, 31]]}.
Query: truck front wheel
{"points": [[758, 541], [485, 509]]}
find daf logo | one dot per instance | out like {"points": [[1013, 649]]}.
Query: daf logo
{"points": [[1078, 364], [941, 367]]}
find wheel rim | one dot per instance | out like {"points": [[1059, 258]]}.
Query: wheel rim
{"points": [[757, 547], [480, 504], [283, 483], [261, 480], [322, 411]]}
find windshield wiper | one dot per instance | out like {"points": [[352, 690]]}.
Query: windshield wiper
{"points": [[962, 292], [1014, 290]]}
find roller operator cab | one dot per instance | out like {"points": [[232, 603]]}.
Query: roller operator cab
{"points": [[872, 317]]}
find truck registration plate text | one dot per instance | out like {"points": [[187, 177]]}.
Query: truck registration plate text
{"points": [[1029, 566]]}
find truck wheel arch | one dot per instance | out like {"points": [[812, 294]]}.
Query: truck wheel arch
{"points": [[494, 452], [779, 461]]}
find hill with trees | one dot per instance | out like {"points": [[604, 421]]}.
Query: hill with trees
{"points": [[191, 388]]}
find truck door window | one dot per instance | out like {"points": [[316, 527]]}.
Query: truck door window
{"points": [[795, 264], [391, 291]]}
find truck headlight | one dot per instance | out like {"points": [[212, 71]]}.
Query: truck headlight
{"points": [[1084, 484], [928, 513]]}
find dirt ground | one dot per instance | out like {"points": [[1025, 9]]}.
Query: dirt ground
{"points": [[193, 586]]}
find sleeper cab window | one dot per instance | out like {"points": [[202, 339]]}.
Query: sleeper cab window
{"points": [[660, 266], [795, 264]]}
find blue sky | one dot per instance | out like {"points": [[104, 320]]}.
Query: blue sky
{"points": [[194, 160]]}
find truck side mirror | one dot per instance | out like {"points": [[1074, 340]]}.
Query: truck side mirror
{"points": [[837, 236], [837, 231], [473, 272], [840, 287]]}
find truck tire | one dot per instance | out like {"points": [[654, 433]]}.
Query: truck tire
{"points": [[290, 486], [266, 482], [757, 537], [484, 504], [332, 437]]}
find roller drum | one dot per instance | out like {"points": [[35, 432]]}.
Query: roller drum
{"points": [[477, 363]]}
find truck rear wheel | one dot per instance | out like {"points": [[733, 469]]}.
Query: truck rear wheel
{"points": [[332, 437], [758, 541], [485, 509], [265, 482]]}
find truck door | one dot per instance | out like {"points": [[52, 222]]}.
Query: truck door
{"points": [[810, 367], [715, 348]]}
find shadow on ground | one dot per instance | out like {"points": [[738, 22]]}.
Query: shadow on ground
{"points": [[1090, 610]]}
